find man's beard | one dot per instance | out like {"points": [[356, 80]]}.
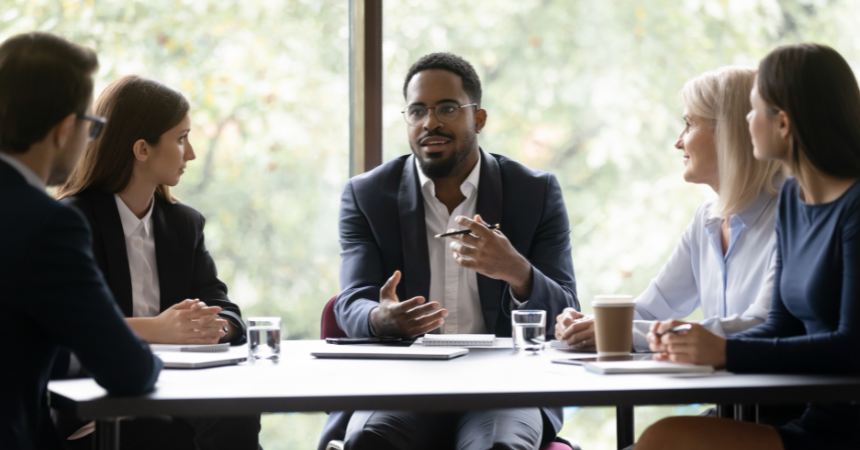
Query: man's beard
{"points": [[441, 168]]}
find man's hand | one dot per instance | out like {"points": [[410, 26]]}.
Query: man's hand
{"points": [[489, 253], [407, 319], [694, 346], [188, 322], [575, 329]]}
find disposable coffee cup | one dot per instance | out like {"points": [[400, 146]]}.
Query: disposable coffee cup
{"points": [[613, 324]]}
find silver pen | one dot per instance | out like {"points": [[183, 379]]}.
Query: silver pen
{"points": [[676, 330]]}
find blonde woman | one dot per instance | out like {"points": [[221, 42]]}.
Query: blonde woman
{"points": [[724, 261]]}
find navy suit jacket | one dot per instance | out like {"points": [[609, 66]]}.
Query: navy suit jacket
{"points": [[185, 268], [382, 229], [52, 295]]}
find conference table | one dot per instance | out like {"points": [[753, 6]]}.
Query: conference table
{"points": [[482, 379]]}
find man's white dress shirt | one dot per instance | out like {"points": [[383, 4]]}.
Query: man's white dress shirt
{"points": [[453, 286], [734, 290], [140, 247], [29, 176]]}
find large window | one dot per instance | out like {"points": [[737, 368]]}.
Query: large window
{"points": [[585, 89], [589, 90], [269, 86]]}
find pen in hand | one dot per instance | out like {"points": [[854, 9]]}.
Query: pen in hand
{"points": [[455, 233], [676, 330]]}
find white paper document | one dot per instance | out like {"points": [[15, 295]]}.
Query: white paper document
{"points": [[629, 367]]}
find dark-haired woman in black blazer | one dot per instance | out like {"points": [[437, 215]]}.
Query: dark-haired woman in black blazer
{"points": [[151, 249]]}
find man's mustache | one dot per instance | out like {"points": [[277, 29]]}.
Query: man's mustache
{"points": [[432, 133]]}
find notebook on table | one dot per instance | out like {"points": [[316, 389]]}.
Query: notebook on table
{"points": [[368, 352], [210, 348], [631, 367], [190, 360], [458, 340]]}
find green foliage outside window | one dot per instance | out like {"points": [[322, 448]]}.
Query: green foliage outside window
{"points": [[585, 89]]}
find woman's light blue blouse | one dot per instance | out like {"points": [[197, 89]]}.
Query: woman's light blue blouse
{"points": [[734, 291]]}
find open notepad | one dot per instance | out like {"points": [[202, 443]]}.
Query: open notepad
{"points": [[458, 340], [630, 367]]}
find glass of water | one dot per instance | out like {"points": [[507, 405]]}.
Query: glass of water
{"points": [[529, 329], [264, 338]]}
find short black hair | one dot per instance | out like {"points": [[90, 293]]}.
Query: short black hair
{"points": [[43, 79], [452, 63]]}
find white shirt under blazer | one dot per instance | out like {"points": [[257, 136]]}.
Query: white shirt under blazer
{"points": [[140, 246], [734, 291]]}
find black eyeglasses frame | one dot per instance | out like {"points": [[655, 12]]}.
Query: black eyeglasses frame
{"points": [[99, 123]]}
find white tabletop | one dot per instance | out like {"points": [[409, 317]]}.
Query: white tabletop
{"points": [[483, 379]]}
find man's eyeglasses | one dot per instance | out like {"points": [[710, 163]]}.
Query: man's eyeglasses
{"points": [[446, 112], [97, 126]]}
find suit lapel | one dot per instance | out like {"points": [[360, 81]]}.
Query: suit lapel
{"points": [[168, 264], [416, 256], [489, 206], [118, 273]]}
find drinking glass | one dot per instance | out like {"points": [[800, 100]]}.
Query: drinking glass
{"points": [[529, 329], [264, 338]]}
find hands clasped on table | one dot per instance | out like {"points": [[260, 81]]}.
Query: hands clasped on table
{"points": [[188, 322], [575, 329]]}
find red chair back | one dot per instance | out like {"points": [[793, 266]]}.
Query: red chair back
{"points": [[329, 327]]}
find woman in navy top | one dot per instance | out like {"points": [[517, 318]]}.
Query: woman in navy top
{"points": [[806, 113]]}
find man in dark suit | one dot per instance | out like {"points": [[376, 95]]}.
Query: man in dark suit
{"points": [[466, 284], [51, 292]]}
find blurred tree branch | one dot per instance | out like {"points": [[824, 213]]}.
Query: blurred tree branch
{"points": [[210, 155]]}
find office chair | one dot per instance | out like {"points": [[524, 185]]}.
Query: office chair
{"points": [[330, 329]]}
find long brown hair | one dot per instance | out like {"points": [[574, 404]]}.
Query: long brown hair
{"points": [[816, 88], [136, 108]]}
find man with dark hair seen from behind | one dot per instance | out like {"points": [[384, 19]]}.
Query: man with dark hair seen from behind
{"points": [[398, 280], [51, 291]]}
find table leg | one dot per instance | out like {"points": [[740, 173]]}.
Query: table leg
{"points": [[624, 426], [726, 411], [107, 434], [746, 413]]}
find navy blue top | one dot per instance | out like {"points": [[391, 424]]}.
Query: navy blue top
{"points": [[814, 320], [815, 310]]}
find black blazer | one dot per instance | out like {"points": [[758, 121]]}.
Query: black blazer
{"points": [[185, 268], [52, 294], [382, 229]]}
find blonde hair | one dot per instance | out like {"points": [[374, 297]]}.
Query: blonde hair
{"points": [[723, 96]]}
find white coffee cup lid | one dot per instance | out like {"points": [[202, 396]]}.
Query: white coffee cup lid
{"points": [[613, 300]]}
